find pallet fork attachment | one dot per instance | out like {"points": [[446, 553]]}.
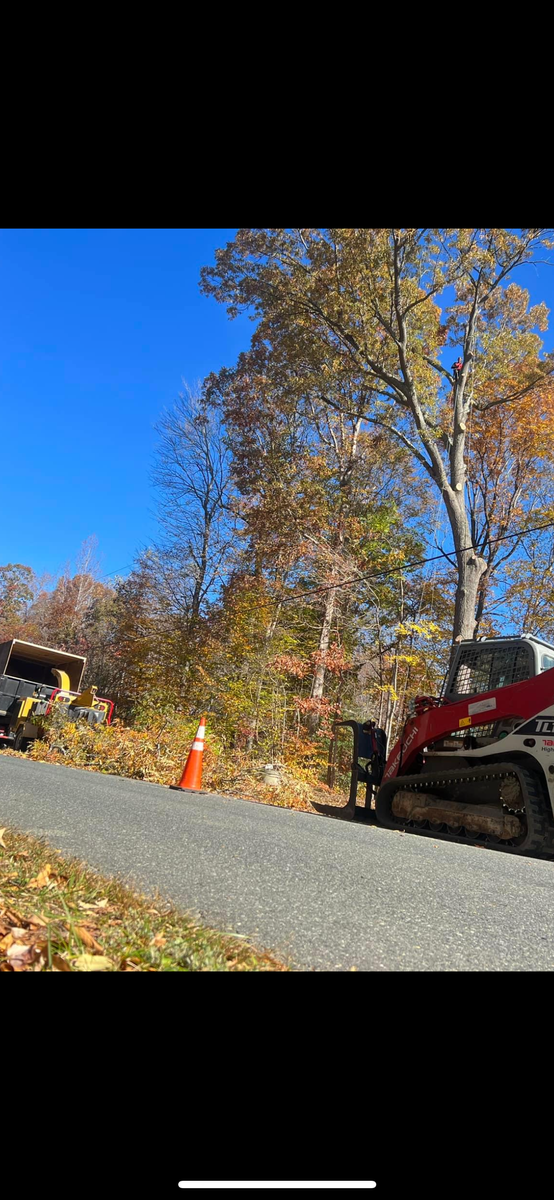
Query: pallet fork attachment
{"points": [[369, 743]]}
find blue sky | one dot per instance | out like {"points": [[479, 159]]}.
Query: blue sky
{"points": [[98, 328]]}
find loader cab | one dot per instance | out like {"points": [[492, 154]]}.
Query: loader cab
{"points": [[489, 663]]}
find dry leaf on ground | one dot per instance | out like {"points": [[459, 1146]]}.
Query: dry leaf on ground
{"points": [[43, 878], [87, 938], [21, 955], [2, 832], [92, 962], [10, 915], [98, 904]]}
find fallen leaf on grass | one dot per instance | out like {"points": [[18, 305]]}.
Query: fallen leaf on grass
{"points": [[43, 878], [159, 941], [9, 914], [59, 964], [21, 955], [36, 920], [92, 962], [87, 938], [6, 942], [93, 907]]}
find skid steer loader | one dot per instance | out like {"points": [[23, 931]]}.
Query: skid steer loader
{"points": [[477, 762]]}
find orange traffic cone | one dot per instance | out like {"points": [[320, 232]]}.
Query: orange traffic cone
{"points": [[191, 779]]}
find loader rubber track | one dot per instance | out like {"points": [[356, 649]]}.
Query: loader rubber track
{"points": [[538, 838]]}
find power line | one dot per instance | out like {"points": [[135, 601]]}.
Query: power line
{"points": [[421, 562], [100, 577]]}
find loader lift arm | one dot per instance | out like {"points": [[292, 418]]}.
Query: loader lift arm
{"points": [[519, 701]]}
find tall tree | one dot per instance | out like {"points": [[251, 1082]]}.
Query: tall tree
{"points": [[60, 614], [17, 592], [319, 497], [192, 476], [510, 484], [364, 305]]}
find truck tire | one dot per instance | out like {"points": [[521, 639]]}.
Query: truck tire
{"points": [[21, 742]]}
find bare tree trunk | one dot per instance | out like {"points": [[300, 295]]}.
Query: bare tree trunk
{"points": [[201, 573], [268, 637], [318, 682], [333, 743], [394, 698], [470, 569], [481, 601]]}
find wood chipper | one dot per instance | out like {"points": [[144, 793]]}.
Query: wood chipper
{"points": [[476, 762], [36, 679]]}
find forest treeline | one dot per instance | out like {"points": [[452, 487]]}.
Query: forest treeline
{"points": [[297, 487]]}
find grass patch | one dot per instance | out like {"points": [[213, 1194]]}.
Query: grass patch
{"points": [[57, 914]]}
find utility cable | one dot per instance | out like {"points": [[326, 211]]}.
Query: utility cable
{"points": [[420, 562]]}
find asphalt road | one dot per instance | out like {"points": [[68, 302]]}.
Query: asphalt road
{"points": [[320, 893]]}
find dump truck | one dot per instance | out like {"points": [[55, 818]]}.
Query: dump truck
{"points": [[35, 681], [475, 763]]}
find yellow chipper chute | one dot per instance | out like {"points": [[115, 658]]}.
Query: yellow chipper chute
{"points": [[63, 680], [86, 699]]}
